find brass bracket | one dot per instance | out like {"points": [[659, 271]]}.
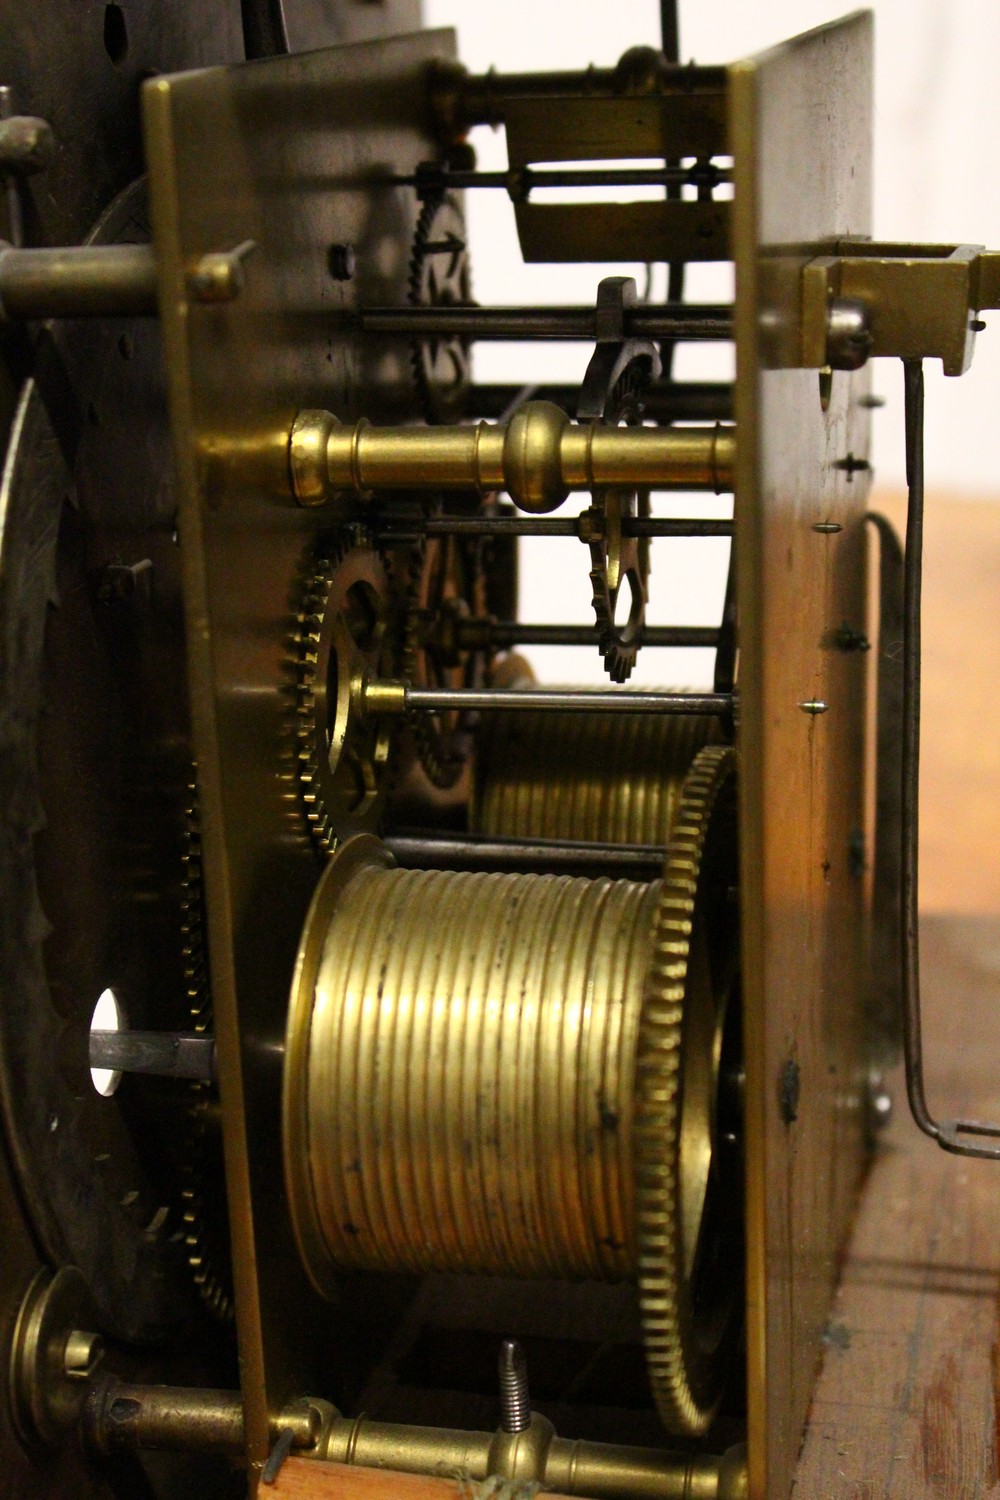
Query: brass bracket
{"points": [[919, 302]]}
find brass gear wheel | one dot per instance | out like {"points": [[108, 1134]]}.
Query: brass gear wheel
{"points": [[342, 632], [446, 584], [618, 562], [206, 1236], [440, 277], [687, 1120]]}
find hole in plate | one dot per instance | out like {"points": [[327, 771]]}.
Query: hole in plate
{"points": [[115, 34], [108, 1016], [363, 615]]}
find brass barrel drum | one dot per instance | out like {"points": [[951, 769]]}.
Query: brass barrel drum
{"points": [[530, 1074], [613, 778]]}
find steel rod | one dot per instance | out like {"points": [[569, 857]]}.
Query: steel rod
{"points": [[692, 322], [122, 1417], [506, 633], [163, 1054], [486, 526], [662, 400], [670, 31], [640, 861], [78, 281], [398, 697], [520, 181]]}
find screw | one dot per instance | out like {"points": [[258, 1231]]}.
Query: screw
{"points": [[871, 402], [849, 639], [81, 1353], [515, 1404], [341, 261], [851, 466], [219, 276], [827, 528], [977, 325], [814, 706], [120, 581]]}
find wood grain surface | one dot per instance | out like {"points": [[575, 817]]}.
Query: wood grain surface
{"points": [[306, 1479], [905, 1404], [960, 732]]}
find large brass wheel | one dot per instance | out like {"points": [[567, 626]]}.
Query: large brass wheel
{"points": [[686, 1133]]}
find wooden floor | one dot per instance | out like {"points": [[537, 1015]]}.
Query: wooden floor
{"points": [[905, 1405]]}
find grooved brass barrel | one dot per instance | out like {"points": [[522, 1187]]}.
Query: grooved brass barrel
{"points": [[538, 457], [609, 779], [461, 1065]]}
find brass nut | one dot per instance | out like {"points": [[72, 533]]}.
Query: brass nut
{"points": [[82, 1352]]}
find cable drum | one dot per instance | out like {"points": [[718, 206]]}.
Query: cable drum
{"points": [[470, 1072], [613, 779], [532, 1075]]}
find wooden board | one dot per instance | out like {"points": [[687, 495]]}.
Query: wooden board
{"points": [[904, 1408]]}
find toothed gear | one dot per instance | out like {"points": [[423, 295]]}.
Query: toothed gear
{"points": [[446, 584], [203, 1199], [342, 632], [617, 561], [687, 1102], [440, 277]]}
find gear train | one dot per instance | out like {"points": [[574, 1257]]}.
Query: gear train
{"points": [[464, 1022]]}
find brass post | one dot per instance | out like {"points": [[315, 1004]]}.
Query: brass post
{"points": [[604, 1471], [78, 281], [537, 457]]}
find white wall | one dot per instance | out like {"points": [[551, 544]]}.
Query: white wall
{"points": [[937, 178]]}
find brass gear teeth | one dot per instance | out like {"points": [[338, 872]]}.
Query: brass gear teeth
{"points": [[212, 1279], [438, 406], [618, 652], [438, 745], [686, 1377], [307, 638], [343, 629]]}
